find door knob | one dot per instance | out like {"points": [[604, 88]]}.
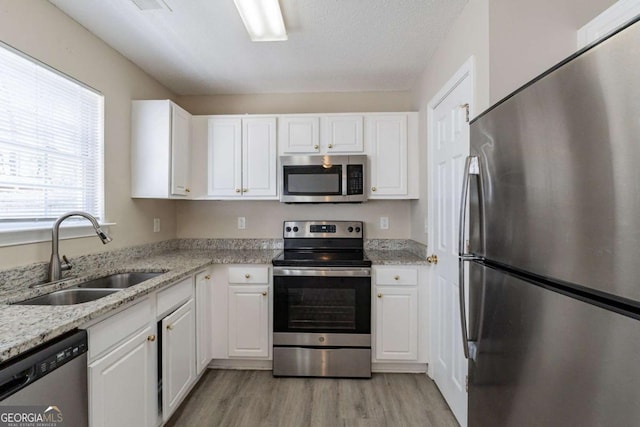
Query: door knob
{"points": [[432, 259]]}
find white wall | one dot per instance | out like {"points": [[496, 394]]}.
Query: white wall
{"points": [[39, 29], [469, 36], [218, 219], [529, 37]]}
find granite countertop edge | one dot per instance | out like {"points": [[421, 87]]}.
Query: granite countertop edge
{"points": [[24, 327]]}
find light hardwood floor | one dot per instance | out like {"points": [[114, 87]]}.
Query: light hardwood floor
{"points": [[255, 398]]}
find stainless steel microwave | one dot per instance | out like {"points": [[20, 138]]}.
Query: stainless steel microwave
{"points": [[323, 179]]}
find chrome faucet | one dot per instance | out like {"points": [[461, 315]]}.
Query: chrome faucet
{"points": [[55, 266]]}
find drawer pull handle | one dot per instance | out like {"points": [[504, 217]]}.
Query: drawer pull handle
{"points": [[264, 293], [396, 277], [170, 327], [247, 276], [151, 338], [380, 295]]}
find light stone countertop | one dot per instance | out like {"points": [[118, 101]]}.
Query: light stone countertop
{"points": [[23, 327], [394, 257]]}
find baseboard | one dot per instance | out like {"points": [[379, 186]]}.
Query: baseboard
{"points": [[399, 368], [256, 365]]}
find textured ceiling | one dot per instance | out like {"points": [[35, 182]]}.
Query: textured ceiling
{"points": [[200, 47]]}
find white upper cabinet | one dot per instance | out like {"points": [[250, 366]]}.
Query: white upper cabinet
{"points": [[343, 134], [225, 157], [299, 134], [391, 144], [242, 157], [160, 145], [321, 134]]}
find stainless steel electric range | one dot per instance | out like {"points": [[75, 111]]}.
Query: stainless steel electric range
{"points": [[322, 301]]}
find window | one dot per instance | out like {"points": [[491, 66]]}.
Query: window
{"points": [[51, 144]]}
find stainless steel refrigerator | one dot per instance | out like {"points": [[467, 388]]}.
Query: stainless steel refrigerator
{"points": [[552, 260]]}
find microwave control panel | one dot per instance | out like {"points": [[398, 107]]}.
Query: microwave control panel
{"points": [[355, 179]]}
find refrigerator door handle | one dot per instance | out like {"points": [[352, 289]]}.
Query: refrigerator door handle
{"points": [[471, 167]]}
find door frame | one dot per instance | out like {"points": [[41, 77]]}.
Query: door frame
{"points": [[466, 70]]}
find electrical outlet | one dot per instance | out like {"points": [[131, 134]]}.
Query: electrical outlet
{"points": [[384, 223], [156, 225], [242, 223]]}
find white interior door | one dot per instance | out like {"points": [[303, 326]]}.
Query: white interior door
{"points": [[448, 148]]}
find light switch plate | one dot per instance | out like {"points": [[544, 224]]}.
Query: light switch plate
{"points": [[156, 225], [242, 223]]}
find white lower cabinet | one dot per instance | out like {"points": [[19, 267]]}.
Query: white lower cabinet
{"points": [[249, 321], [241, 314], [155, 336], [203, 284], [399, 314], [396, 323], [122, 377], [178, 356]]}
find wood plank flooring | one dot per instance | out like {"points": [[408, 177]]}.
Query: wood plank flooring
{"points": [[254, 398]]}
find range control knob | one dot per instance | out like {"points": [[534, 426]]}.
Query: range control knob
{"points": [[350, 229], [295, 229], [288, 229], [357, 229]]}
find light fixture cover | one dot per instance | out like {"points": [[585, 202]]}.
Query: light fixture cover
{"points": [[262, 19]]}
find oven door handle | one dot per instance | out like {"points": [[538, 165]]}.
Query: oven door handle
{"points": [[327, 271]]}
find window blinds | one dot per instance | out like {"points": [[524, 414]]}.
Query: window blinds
{"points": [[51, 142]]}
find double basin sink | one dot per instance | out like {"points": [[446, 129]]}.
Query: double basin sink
{"points": [[92, 289]]}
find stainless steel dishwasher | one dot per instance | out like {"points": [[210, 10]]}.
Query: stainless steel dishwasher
{"points": [[49, 381]]}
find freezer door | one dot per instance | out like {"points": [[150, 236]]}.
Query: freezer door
{"points": [[546, 359], [559, 164]]}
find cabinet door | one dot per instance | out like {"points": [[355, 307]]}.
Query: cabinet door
{"points": [[203, 320], [178, 357], [122, 384], [225, 157], [396, 323], [249, 321], [387, 149], [343, 134], [299, 135], [180, 155], [259, 157]]}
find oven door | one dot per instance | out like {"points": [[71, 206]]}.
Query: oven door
{"points": [[322, 307]]}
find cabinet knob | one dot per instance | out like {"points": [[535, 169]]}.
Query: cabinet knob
{"points": [[315, 147], [207, 277], [330, 145], [237, 190], [188, 190], [246, 276], [396, 277], [151, 338], [244, 190], [432, 259], [374, 189], [380, 295], [170, 327], [264, 293]]}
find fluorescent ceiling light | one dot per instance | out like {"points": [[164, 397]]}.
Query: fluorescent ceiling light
{"points": [[262, 19]]}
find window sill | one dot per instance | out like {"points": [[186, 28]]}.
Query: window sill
{"points": [[37, 233]]}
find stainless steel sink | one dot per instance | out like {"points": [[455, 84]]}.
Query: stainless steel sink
{"points": [[69, 296], [118, 281]]}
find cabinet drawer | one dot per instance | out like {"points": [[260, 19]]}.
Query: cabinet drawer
{"points": [[396, 276], [174, 295], [249, 275], [113, 330]]}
